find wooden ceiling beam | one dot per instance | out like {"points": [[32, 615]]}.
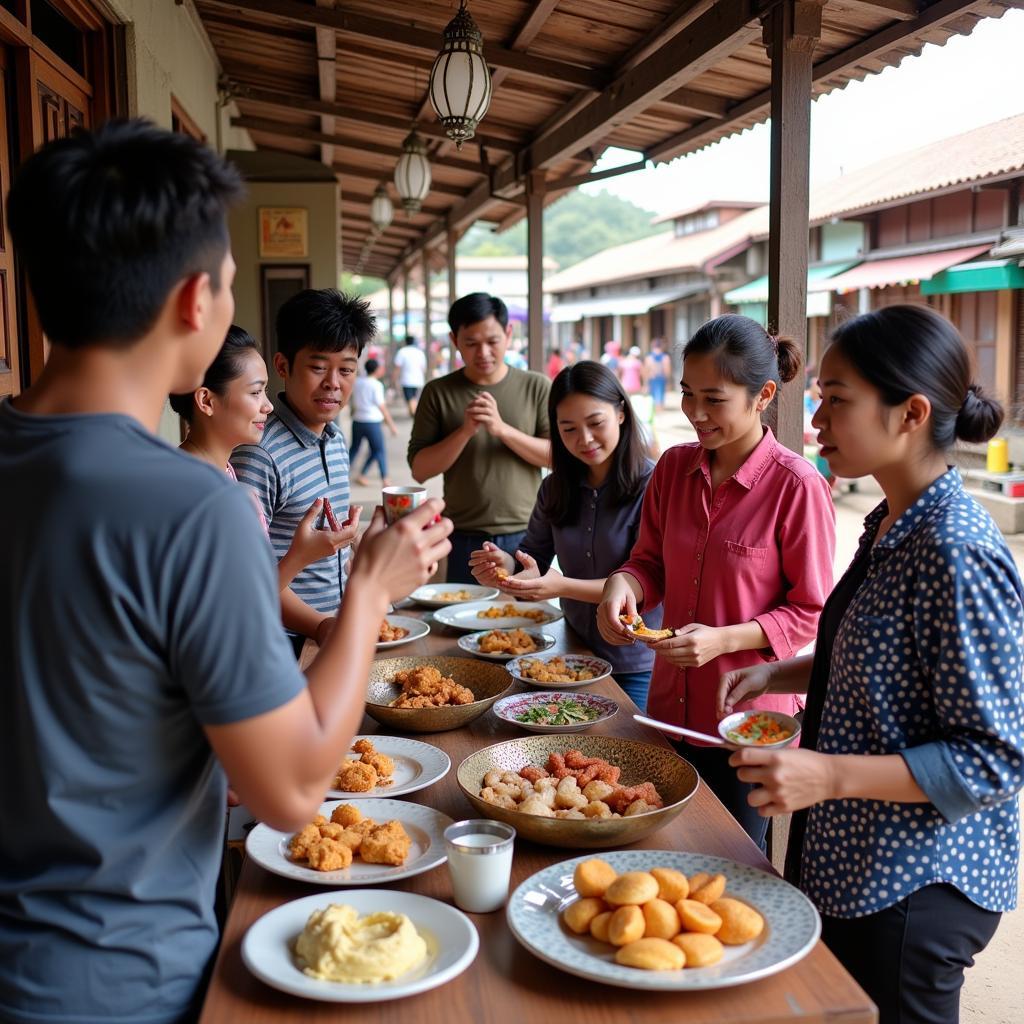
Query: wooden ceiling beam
{"points": [[363, 27], [368, 174], [327, 76], [899, 10], [704, 103], [345, 112]]}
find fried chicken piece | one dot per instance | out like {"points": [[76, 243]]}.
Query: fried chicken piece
{"points": [[363, 746], [532, 773], [576, 759], [625, 795], [332, 831], [381, 763], [351, 838], [425, 687], [386, 844], [556, 763], [346, 815], [329, 855], [364, 827], [513, 641], [302, 841], [355, 777], [319, 820]]}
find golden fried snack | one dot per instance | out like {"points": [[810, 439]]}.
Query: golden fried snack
{"points": [[661, 920], [740, 923], [578, 915], [672, 884], [699, 879], [355, 777], [701, 950], [363, 827], [626, 925], [329, 855], [645, 632], [698, 917], [319, 820], [363, 746], [425, 687], [709, 891], [346, 815], [651, 955], [455, 595], [513, 641], [386, 844], [599, 926], [510, 611], [332, 830], [389, 633], [633, 888], [557, 670], [381, 763], [592, 877], [302, 841]]}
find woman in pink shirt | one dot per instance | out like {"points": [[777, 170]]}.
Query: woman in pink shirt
{"points": [[736, 541]]}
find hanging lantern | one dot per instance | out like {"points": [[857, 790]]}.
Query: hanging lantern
{"points": [[381, 209], [460, 84], [412, 173]]}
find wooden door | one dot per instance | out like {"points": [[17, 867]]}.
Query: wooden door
{"points": [[60, 101], [9, 376]]}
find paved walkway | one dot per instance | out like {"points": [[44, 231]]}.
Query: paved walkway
{"points": [[991, 993]]}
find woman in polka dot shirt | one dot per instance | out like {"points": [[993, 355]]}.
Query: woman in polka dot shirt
{"points": [[907, 830]]}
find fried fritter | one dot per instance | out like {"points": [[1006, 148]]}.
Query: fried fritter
{"points": [[425, 687], [346, 815], [329, 855], [355, 777], [302, 841], [386, 844], [363, 746], [382, 764]]}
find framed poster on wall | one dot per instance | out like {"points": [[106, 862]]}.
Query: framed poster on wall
{"points": [[284, 232]]}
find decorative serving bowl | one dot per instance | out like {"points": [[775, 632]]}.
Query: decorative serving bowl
{"points": [[509, 708], [487, 681], [727, 728], [676, 781]]}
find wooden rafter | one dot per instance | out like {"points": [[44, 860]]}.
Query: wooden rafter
{"points": [[327, 76]]}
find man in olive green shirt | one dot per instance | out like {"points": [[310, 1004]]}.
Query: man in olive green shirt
{"points": [[485, 427]]}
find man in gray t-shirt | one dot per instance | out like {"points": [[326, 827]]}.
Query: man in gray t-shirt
{"points": [[141, 645]]}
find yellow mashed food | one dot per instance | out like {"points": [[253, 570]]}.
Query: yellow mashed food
{"points": [[339, 945]]}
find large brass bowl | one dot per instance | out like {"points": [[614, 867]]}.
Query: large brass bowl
{"points": [[487, 681], [675, 779]]}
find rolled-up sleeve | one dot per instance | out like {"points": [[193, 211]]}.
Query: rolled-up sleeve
{"points": [[807, 544], [970, 626]]}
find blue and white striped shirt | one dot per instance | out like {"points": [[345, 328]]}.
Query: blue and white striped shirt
{"points": [[289, 469]]}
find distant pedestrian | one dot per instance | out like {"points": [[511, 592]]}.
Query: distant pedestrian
{"points": [[410, 372], [369, 414], [555, 363], [631, 372], [657, 370]]}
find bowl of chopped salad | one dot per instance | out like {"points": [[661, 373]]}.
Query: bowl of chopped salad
{"points": [[771, 729], [555, 711]]}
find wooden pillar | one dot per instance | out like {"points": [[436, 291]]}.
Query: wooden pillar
{"points": [[427, 319], [391, 313], [535, 268], [790, 33], [453, 241], [405, 300]]}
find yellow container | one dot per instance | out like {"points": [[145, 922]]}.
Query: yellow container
{"points": [[998, 460]]}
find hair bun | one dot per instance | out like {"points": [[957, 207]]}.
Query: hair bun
{"points": [[979, 417], [787, 352]]}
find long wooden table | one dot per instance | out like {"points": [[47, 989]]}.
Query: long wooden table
{"points": [[505, 981]]}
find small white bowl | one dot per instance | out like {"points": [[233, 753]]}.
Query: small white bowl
{"points": [[730, 722]]}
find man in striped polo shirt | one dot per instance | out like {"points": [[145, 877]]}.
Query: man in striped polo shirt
{"points": [[302, 456]]}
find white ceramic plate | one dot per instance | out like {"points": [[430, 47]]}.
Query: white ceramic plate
{"points": [[602, 669], [467, 616], [518, 703], [417, 765], [451, 939], [425, 826], [471, 643], [416, 627], [792, 925], [441, 595]]}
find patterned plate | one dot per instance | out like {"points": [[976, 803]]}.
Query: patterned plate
{"points": [[467, 616], [424, 825], [602, 669], [416, 628], [509, 708], [417, 765], [471, 644], [792, 925], [440, 595]]}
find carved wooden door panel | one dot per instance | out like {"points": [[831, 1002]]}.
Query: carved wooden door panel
{"points": [[9, 377]]}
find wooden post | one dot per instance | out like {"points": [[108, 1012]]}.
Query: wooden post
{"points": [[453, 241], [405, 300], [790, 33], [427, 334], [391, 313], [535, 269]]}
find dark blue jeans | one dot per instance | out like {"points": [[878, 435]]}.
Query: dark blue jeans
{"points": [[374, 436], [464, 544]]}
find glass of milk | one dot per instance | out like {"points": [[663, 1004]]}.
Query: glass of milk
{"points": [[480, 863]]}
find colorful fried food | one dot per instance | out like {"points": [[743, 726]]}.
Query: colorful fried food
{"points": [[425, 687], [570, 785], [555, 670], [513, 641], [355, 777], [513, 611], [638, 629], [389, 633], [332, 845], [630, 911]]}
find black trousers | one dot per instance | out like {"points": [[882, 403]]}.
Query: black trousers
{"points": [[712, 766], [910, 958]]}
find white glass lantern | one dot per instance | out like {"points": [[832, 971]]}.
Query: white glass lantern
{"points": [[412, 173], [381, 209], [460, 84]]}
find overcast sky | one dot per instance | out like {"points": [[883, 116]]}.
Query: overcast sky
{"points": [[971, 80]]}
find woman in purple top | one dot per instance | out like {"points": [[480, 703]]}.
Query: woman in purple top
{"points": [[587, 514]]}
